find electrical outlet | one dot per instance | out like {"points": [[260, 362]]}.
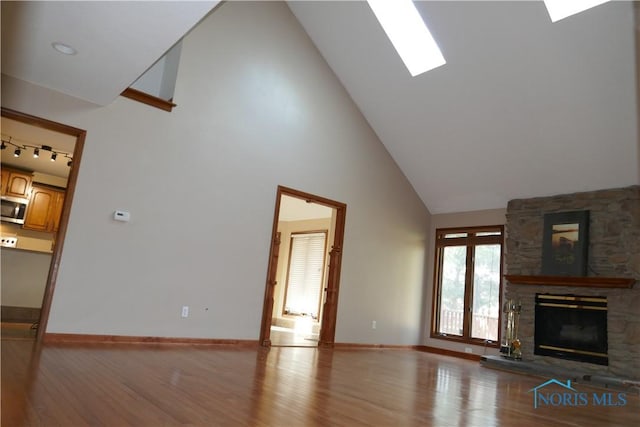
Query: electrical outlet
{"points": [[373, 324], [468, 350], [185, 311]]}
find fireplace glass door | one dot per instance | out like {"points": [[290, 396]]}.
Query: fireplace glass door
{"points": [[571, 327]]}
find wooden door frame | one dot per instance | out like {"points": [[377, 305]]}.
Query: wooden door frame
{"points": [[80, 136], [330, 310]]}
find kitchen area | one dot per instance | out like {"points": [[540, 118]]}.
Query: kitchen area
{"points": [[35, 165]]}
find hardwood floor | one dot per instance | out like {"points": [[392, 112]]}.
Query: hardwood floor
{"points": [[287, 337], [154, 385]]}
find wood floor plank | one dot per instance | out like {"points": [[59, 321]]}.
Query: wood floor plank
{"points": [[161, 385]]}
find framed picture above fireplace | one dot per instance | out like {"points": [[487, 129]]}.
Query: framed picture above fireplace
{"points": [[565, 243]]}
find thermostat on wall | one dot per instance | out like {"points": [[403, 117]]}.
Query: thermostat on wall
{"points": [[121, 216]]}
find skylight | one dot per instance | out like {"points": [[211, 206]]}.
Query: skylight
{"points": [[560, 9], [408, 34]]}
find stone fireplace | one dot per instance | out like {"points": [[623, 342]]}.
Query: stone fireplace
{"points": [[613, 264]]}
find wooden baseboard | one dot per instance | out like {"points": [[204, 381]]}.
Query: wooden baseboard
{"points": [[354, 346], [20, 314], [54, 338], [445, 352]]}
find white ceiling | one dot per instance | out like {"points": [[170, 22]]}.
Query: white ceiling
{"points": [[116, 42], [522, 108], [294, 209]]}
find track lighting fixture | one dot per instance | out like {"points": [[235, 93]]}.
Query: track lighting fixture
{"points": [[36, 150]]}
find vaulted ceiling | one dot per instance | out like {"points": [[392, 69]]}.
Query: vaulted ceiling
{"points": [[522, 108], [116, 42]]}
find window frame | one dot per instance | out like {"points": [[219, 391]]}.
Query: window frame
{"points": [[470, 242]]}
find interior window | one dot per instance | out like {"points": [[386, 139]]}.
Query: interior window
{"points": [[306, 273]]}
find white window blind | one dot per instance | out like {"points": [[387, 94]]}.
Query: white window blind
{"points": [[306, 268]]}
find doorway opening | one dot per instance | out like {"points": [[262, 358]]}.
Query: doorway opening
{"points": [[303, 277], [51, 158]]}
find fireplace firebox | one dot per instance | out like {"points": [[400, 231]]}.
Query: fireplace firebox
{"points": [[571, 327]]}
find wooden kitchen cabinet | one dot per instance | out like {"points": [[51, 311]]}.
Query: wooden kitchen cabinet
{"points": [[57, 211], [15, 183], [5, 180], [44, 209]]}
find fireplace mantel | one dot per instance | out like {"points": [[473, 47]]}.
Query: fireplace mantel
{"points": [[585, 282]]}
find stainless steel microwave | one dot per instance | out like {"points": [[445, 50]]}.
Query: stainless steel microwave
{"points": [[13, 209]]}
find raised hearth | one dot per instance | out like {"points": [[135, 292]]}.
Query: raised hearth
{"points": [[628, 385]]}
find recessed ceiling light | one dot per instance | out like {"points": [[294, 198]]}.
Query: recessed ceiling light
{"points": [[64, 48], [408, 34], [560, 9]]}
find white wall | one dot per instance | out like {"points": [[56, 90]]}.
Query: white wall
{"points": [[160, 79], [257, 107], [44, 178], [37, 241], [24, 276], [461, 219]]}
